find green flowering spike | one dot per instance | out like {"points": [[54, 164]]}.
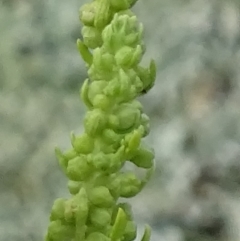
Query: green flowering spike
{"points": [[119, 225], [114, 126], [87, 13]]}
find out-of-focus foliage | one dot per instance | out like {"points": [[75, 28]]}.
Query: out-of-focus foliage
{"points": [[194, 109]]}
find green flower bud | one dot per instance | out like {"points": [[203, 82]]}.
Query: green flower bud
{"points": [[113, 88], [128, 56], [74, 187], [58, 209], [102, 102], [96, 236], [70, 154], [133, 39], [103, 61], [96, 88], [87, 13], [78, 169], [130, 231], [94, 122], [91, 37], [110, 41], [100, 161], [145, 124], [70, 210], [110, 136], [120, 5], [147, 76], [101, 197], [82, 210], [103, 14], [128, 117], [100, 217], [83, 144], [143, 158], [130, 184], [57, 231]]}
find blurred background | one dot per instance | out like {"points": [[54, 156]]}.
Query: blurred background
{"points": [[194, 110]]}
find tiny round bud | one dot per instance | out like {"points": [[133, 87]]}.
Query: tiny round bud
{"points": [[101, 197], [100, 217]]}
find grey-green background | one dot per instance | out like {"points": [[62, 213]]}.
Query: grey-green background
{"points": [[194, 109]]}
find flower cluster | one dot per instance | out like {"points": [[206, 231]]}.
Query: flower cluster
{"points": [[114, 125]]}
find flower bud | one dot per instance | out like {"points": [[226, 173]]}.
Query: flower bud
{"points": [[87, 13], [101, 197], [58, 209], [97, 236], [130, 185], [83, 144], [128, 118], [111, 136], [57, 231], [103, 60], [94, 122], [82, 210], [120, 5], [103, 14], [143, 158], [128, 57], [95, 88], [91, 37], [130, 231], [78, 169], [100, 217], [100, 161], [74, 187], [102, 102]]}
